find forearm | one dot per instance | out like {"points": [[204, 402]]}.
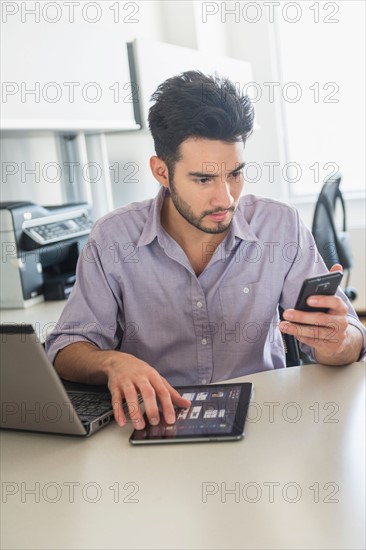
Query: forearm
{"points": [[349, 353], [85, 363]]}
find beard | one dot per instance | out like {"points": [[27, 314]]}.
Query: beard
{"points": [[197, 221]]}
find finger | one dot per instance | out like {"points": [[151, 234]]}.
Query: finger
{"points": [[318, 344], [335, 304], [118, 412], [133, 406], [332, 333], [165, 399], [336, 267], [311, 342], [149, 398], [176, 397]]}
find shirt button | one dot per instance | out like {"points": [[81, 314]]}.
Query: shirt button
{"points": [[245, 290], [204, 381], [204, 341], [199, 304]]}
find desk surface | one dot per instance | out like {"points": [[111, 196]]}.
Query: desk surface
{"points": [[43, 316], [297, 479]]}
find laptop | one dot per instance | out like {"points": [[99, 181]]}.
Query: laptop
{"points": [[35, 398]]}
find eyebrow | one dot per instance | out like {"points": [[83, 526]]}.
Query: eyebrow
{"points": [[210, 175]]}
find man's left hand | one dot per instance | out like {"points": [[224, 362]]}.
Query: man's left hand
{"points": [[327, 333]]}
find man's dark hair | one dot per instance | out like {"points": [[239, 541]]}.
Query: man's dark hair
{"points": [[196, 105]]}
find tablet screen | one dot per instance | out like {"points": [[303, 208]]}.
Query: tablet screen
{"points": [[216, 412]]}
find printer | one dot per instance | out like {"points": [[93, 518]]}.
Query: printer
{"points": [[40, 247]]}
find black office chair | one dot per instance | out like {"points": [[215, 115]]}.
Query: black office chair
{"points": [[333, 245], [291, 347]]}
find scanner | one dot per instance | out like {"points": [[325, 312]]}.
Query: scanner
{"points": [[40, 246]]}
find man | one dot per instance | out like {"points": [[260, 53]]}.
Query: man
{"points": [[185, 288]]}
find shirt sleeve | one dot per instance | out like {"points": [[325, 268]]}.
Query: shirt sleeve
{"points": [[306, 263], [94, 306]]}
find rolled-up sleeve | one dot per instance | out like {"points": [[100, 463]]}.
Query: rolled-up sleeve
{"points": [[94, 307]]}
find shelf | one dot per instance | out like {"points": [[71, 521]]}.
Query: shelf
{"points": [[64, 125]]}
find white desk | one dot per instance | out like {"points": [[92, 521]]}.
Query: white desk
{"points": [[43, 316], [173, 496]]}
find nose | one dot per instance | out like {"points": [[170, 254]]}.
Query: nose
{"points": [[222, 196]]}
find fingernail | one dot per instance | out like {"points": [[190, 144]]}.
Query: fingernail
{"points": [[154, 421], [288, 315], [171, 418], [313, 301]]}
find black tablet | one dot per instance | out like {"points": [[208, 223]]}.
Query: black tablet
{"points": [[217, 413]]}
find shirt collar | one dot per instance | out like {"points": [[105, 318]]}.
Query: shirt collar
{"points": [[239, 226], [152, 227]]}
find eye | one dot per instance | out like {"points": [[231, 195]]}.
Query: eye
{"points": [[202, 181], [236, 176]]}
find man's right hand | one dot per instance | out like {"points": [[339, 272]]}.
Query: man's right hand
{"points": [[128, 376]]}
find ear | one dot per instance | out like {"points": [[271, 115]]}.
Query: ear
{"points": [[159, 170]]}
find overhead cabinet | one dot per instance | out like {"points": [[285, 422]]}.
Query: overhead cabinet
{"points": [[67, 75]]}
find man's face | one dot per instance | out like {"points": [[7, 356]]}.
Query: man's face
{"points": [[207, 183]]}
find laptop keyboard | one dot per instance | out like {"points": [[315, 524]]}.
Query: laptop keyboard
{"points": [[90, 405]]}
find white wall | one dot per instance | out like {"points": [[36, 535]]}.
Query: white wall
{"points": [[325, 122], [185, 24], [22, 153]]}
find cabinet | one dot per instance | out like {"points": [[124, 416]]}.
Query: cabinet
{"points": [[153, 62], [70, 75]]}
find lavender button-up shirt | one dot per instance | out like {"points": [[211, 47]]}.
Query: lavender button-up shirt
{"points": [[136, 292]]}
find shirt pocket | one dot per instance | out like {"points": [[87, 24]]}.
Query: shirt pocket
{"points": [[247, 310]]}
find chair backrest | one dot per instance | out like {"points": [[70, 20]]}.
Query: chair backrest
{"points": [[332, 244], [291, 347]]}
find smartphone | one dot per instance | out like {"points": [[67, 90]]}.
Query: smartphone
{"points": [[325, 285]]}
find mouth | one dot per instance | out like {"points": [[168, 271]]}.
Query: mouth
{"points": [[219, 216]]}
